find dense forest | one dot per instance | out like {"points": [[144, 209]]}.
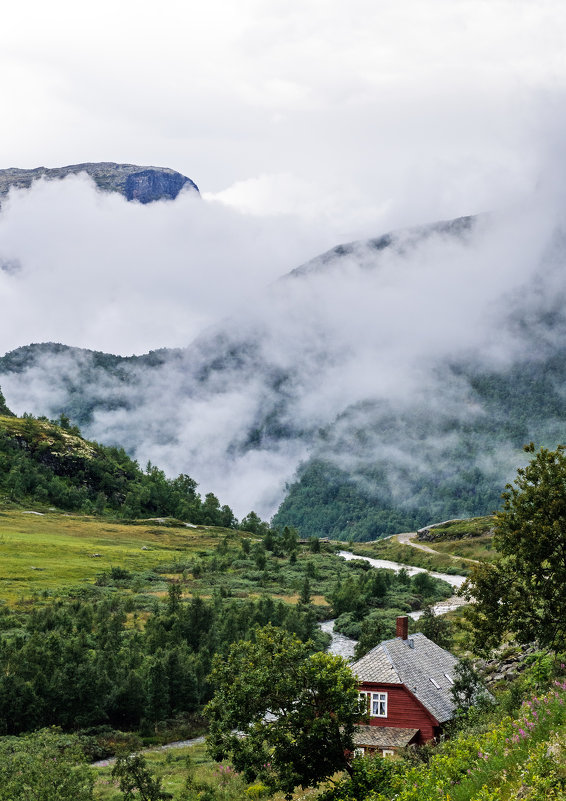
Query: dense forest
{"points": [[112, 653], [76, 664]]}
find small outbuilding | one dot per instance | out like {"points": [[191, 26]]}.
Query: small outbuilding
{"points": [[406, 684]]}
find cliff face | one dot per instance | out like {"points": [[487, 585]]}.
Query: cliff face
{"points": [[144, 184], [152, 184]]}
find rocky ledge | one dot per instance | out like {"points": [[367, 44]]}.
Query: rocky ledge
{"points": [[506, 663], [144, 184]]}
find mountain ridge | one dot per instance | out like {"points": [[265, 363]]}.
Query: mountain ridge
{"points": [[145, 184]]}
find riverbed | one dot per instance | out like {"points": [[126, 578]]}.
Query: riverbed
{"points": [[344, 646]]}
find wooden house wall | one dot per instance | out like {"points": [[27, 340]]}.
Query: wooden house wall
{"points": [[403, 711]]}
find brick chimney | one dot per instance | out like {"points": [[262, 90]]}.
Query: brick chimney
{"points": [[402, 627]]}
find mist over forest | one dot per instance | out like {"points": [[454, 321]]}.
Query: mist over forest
{"points": [[388, 381]]}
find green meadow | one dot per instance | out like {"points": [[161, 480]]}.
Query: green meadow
{"points": [[54, 552]]}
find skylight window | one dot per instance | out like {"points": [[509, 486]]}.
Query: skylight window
{"points": [[436, 684], [450, 679]]}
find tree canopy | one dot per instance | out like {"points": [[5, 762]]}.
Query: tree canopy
{"points": [[281, 713], [525, 590]]}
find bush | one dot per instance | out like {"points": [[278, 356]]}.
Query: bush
{"points": [[369, 774]]}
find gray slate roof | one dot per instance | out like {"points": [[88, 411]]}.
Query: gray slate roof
{"points": [[383, 736], [397, 662]]}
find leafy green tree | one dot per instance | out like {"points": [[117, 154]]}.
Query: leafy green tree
{"points": [[423, 584], [135, 780], [370, 775], [269, 541], [174, 595], [525, 591], [210, 509], [436, 627], [375, 628], [253, 523], [259, 555], [468, 689], [290, 539], [305, 597], [157, 691], [296, 710], [45, 766]]}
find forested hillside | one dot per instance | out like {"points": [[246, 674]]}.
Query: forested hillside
{"points": [[49, 462], [4, 411], [456, 468]]}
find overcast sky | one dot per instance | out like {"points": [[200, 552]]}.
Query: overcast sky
{"points": [[304, 124]]}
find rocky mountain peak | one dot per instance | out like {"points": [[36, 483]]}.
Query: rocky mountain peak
{"points": [[144, 184]]}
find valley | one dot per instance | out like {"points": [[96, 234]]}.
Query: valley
{"points": [[132, 586], [149, 570], [283, 401]]}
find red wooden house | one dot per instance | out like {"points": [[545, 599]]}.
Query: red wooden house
{"points": [[406, 684]]}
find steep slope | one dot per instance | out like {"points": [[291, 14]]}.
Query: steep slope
{"points": [[144, 184], [49, 463], [399, 375]]}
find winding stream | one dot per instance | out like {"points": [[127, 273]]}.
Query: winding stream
{"points": [[455, 581], [344, 646]]}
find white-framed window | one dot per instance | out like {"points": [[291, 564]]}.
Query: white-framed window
{"points": [[359, 752], [387, 752], [376, 704]]}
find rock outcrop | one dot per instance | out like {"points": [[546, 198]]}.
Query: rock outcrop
{"points": [[456, 529], [506, 663], [144, 184]]}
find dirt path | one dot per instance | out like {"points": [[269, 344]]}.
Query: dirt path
{"points": [[407, 539], [103, 763]]}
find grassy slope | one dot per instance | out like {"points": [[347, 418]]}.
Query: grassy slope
{"points": [[54, 551], [62, 546], [465, 539], [43, 432], [479, 548], [172, 768], [407, 555], [169, 766]]}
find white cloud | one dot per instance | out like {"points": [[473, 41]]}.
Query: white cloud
{"points": [[396, 112], [99, 272]]}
